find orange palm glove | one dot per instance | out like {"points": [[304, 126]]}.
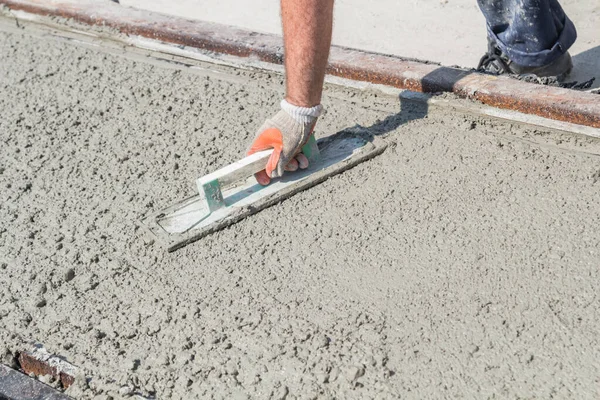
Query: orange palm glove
{"points": [[286, 132]]}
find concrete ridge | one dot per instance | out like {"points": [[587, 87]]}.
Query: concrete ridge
{"points": [[499, 91]]}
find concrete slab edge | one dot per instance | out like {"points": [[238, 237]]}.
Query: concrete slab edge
{"points": [[39, 363], [498, 91], [17, 386]]}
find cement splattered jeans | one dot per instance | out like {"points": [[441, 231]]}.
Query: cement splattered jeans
{"points": [[531, 33]]}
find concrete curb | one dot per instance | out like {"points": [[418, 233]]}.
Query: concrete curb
{"points": [[503, 92]]}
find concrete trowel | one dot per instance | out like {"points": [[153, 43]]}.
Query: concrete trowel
{"points": [[232, 193]]}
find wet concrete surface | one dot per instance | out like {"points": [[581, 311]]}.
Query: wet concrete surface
{"points": [[463, 262]]}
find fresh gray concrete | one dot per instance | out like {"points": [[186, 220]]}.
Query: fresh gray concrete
{"points": [[461, 263]]}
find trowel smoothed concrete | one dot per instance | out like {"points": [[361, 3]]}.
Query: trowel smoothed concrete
{"points": [[193, 218]]}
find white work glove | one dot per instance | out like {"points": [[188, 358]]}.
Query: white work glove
{"points": [[286, 132]]}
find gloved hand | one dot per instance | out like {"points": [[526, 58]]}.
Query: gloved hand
{"points": [[286, 132]]}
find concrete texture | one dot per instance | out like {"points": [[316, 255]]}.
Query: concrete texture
{"points": [[451, 32], [460, 263]]}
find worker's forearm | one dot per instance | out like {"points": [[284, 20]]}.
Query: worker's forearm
{"points": [[307, 26]]}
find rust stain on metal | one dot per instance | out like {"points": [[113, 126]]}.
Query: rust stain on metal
{"points": [[502, 92], [546, 101], [31, 365]]}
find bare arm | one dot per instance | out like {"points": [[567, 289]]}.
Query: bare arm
{"points": [[307, 27]]}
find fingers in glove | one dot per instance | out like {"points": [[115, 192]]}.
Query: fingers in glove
{"points": [[302, 161], [292, 165], [262, 178], [269, 139]]}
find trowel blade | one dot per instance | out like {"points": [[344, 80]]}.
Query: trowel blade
{"points": [[190, 219]]}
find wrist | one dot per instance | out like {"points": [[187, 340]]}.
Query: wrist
{"points": [[302, 115]]}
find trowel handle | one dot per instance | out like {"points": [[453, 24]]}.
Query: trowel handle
{"points": [[209, 186], [244, 168], [252, 164]]}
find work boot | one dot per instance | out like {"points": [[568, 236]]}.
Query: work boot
{"points": [[497, 63]]}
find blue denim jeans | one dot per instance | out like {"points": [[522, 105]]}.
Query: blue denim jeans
{"points": [[531, 33]]}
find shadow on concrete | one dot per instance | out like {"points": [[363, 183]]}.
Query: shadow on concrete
{"points": [[586, 65], [443, 79], [410, 109]]}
